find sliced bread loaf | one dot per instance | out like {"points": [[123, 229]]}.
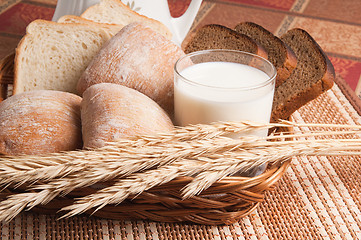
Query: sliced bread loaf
{"points": [[313, 75], [116, 12], [279, 54], [215, 36], [54, 55], [112, 29]]}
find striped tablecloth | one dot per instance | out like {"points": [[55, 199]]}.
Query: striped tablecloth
{"points": [[317, 198]]}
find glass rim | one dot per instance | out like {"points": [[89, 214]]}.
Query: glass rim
{"points": [[201, 52]]}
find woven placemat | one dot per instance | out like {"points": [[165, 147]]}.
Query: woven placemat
{"points": [[318, 198]]}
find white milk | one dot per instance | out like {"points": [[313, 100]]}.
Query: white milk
{"points": [[222, 91]]}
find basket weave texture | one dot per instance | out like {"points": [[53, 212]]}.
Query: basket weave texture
{"points": [[223, 203]]}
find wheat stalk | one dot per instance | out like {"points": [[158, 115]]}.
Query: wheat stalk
{"points": [[57, 165], [209, 170], [36, 168], [191, 143], [103, 172]]}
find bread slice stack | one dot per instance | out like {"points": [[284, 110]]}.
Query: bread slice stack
{"points": [[111, 29], [214, 36], [116, 12], [53, 55], [279, 54], [248, 37], [303, 69]]}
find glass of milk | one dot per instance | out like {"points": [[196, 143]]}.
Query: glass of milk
{"points": [[223, 85]]}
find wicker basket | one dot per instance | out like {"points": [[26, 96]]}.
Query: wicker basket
{"points": [[223, 203], [6, 76]]}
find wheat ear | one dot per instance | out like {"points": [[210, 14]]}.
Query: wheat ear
{"points": [[57, 165], [103, 171], [36, 168], [209, 170], [134, 152]]}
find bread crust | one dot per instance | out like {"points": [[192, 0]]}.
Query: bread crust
{"points": [[111, 29], [111, 112], [16, 83], [139, 58], [38, 122], [288, 67]]}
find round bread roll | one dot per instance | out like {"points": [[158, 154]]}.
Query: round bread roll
{"points": [[111, 111], [41, 121], [138, 58]]}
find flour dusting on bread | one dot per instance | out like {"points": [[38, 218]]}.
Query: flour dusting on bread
{"points": [[41, 121], [139, 58], [111, 112]]}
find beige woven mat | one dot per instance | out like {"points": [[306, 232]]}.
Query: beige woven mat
{"points": [[318, 198]]}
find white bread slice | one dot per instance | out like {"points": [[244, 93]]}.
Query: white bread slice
{"points": [[53, 55], [112, 29], [116, 12]]}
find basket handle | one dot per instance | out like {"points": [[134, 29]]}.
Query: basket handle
{"points": [[6, 75]]}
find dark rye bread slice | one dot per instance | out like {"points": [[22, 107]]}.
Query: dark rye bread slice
{"points": [[279, 54], [313, 75], [215, 36]]}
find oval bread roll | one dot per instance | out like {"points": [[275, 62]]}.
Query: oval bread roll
{"points": [[111, 111], [138, 58], [41, 121]]}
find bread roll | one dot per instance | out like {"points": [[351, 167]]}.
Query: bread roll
{"points": [[41, 121], [111, 111], [138, 58]]}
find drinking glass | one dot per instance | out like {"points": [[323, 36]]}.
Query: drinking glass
{"points": [[224, 85]]}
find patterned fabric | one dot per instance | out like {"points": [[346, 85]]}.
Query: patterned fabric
{"points": [[317, 198]]}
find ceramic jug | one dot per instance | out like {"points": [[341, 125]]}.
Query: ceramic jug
{"points": [[156, 9]]}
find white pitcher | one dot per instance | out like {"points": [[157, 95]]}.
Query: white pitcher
{"points": [[156, 9]]}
